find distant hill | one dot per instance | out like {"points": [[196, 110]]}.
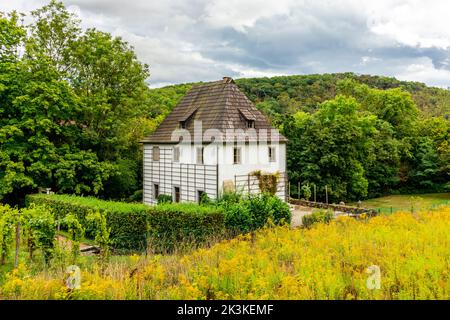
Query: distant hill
{"points": [[307, 91]]}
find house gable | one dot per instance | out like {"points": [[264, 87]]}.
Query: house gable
{"points": [[219, 105]]}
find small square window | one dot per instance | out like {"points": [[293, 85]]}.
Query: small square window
{"points": [[176, 154], [176, 194], [236, 155], [272, 154], [200, 152], [155, 153], [250, 123]]}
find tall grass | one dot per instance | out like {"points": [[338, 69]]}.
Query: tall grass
{"points": [[327, 261]]}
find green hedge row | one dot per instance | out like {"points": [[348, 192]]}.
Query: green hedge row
{"points": [[169, 226], [184, 224], [135, 226], [128, 222]]}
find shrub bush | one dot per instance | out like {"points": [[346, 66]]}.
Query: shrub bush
{"points": [[172, 225], [127, 221], [238, 218], [324, 216], [243, 214], [266, 206], [164, 198]]}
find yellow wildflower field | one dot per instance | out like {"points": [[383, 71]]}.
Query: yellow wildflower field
{"points": [[400, 256]]}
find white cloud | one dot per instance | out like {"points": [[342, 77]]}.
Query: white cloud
{"points": [[240, 14], [202, 40], [424, 24], [423, 70]]}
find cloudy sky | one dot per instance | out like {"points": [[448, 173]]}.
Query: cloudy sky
{"points": [[202, 40]]}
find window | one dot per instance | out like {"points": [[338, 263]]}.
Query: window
{"points": [[176, 154], [155, 154], [272, 156], [236, 155], [200, 195], [250, 123], [182, 124], [200, 155], [155, 191], [176, 194]]}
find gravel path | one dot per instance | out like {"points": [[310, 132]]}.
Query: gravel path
{"points": [[298, 213]]}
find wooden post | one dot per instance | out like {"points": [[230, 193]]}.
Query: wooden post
{"points": [[315, 200], [289, 190], [299, 190], [326, 194], [16, 256]]}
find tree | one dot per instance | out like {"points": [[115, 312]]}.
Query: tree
{"points": [[329, 147], [67, 105]]}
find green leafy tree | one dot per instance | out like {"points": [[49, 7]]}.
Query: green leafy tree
{"points": [[329, 146], [70, 113]]}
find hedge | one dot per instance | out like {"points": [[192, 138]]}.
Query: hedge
{"points": [[184, 223], [128, 222], [133, 226]]}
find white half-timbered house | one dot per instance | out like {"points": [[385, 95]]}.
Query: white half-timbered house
{"points": [[213, 140]]}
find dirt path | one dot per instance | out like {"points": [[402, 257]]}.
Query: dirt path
{"points": [[298, 213]]}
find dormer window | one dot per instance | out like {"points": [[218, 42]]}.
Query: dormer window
{"points": [[183, 121], [248, 117]]}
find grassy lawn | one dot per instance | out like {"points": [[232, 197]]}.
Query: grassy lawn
{"points": [[407, 201]]}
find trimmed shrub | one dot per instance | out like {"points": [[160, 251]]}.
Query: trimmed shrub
{"points": [[238, 218], [244, 214], [319, 216], [183, 224], [127, 221], [266, 206]]}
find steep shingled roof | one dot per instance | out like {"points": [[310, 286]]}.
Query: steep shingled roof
{"points": [[219, 105]]}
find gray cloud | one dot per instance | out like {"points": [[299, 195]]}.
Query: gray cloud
{"points": [[201, 40]]}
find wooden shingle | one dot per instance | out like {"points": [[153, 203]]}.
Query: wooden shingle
{"points": [[218, 105]]}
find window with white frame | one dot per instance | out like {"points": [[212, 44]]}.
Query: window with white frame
{"points": [[236, 155], [272, 154], [155, 153], [176, 154]]}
